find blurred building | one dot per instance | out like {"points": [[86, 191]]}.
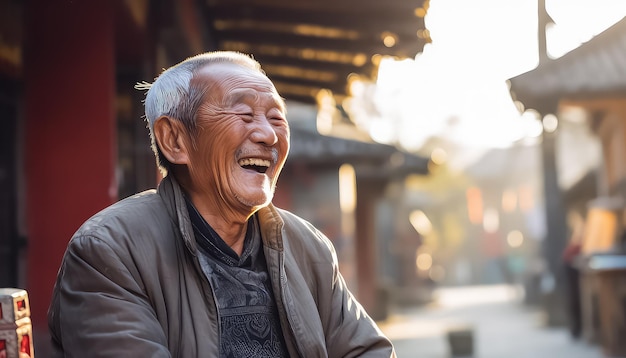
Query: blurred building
{"points": [[581, 99], [74, 142]]}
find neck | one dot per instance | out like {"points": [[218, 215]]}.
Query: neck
{"points": [[233, 233], [229, 225], [228, 222]]}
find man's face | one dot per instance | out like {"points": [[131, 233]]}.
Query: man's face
{"points": [[242, 139]]}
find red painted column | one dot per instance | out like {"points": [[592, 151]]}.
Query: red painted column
{"points": [[69, 144]]}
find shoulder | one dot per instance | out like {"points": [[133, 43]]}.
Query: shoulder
{"points": [[137, 218], [302, 237], [133, 240]]}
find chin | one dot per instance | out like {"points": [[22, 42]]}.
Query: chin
{"points": [[256, 201], [255, 196]]}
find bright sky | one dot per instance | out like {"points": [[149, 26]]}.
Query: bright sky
{"points": [[456, 89]]}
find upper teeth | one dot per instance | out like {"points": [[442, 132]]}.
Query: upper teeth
{"points": [[254, 161]]}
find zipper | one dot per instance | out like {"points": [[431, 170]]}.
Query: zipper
{"points": [[286, 306], [218, 319], [212, 301]]}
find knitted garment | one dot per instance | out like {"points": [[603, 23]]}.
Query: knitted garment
{"points": [[249, 323]]}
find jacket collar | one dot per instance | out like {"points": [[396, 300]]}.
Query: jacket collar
{"points": [[271, 224], [270, 221], [172, 194]]}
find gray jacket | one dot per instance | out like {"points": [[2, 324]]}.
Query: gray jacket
{"points": [[130, 285]]}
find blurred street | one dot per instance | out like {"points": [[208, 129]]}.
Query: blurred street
{"points": [[503, 326]]}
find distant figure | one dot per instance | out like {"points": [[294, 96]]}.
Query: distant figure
{"points": [[206, 266], [570, 253]]}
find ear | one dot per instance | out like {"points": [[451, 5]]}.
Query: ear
{"points": [[170, 135]]}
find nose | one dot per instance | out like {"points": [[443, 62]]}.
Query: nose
{"points": [[264, 132]]}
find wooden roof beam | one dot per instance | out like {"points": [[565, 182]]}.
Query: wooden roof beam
{"points": [[416, 8], [378, 19], [403, 47]]}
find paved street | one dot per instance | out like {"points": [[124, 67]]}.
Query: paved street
{"points": [[503, 327]]}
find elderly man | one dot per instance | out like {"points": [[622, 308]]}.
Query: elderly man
{"points": [[206, 266]]}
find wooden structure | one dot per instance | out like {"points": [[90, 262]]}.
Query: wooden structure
{"points": [[591, 77], [307, 45]]}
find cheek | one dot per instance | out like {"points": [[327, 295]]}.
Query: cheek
{"points": [[224, 140], [284, 143], [214, 152]]}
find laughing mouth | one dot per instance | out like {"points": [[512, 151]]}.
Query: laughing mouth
{"points": [[257, 164]]}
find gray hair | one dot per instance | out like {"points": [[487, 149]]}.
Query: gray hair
{"points": [[173, 95]]}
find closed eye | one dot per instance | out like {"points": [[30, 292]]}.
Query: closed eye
{"points": [[275, 115]]}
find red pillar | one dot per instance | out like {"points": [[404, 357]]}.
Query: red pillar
{"points": [[369, 293], [69, 136]]}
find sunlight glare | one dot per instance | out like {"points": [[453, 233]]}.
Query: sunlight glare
{"points": [[491, 220], [420, 222], [424, 261], [578, 21], [475, 295], [456, 89], [382, 131], [515, 238], [550, 123]]}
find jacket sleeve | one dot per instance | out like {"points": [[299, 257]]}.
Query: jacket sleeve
{"points": [[99, 308], [350, 330]]}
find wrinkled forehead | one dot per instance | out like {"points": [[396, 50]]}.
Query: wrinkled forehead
{"points": [[238, 84], [269, 98]]}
